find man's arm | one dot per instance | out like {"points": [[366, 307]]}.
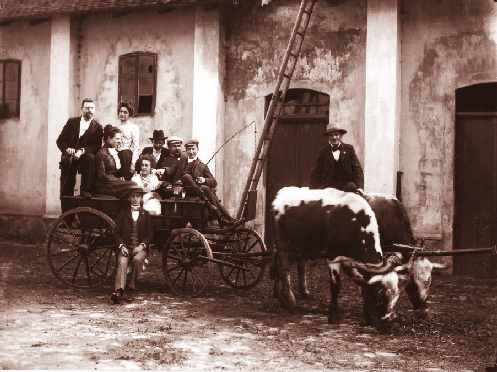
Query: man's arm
{"points": [[95, 142], [357, 172], [207, 177], [64, 137]]}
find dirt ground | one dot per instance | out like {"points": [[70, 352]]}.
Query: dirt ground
{"points": [[44, 325]]}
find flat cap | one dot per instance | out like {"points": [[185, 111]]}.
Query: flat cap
{"points": [[191, 142], [174, 139]]}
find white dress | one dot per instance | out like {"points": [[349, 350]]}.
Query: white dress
{"points": [[149, 184], [130, 139]]}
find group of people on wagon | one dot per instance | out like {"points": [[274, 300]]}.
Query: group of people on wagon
{"points": [[110, 163]]}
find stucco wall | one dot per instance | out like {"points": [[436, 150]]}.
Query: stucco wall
{"points": [[23, 141], [104, 38], [445, 45], [332, 62]]}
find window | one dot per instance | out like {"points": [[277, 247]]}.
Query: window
{"points": [[10, 88], [137, 81]]}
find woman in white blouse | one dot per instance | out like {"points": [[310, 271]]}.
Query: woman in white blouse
{"points": [[130, 139], [149, 182], [110, 180]]}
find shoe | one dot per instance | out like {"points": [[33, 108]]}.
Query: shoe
{"points": [[86, 194], [117, 296]]}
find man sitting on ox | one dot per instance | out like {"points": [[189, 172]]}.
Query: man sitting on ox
{"points": [[79, 141], [337, 164], [198, 176]]}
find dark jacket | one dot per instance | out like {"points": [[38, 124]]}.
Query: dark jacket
{"points": [[175, 168], [328, 172], [91, 140], [125, 223], [198, 169], [109, 180], [164, 153]]}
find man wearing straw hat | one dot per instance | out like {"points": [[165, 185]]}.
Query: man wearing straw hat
{"points": [[337, 164]]}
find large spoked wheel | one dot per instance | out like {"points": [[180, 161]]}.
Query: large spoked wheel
{"points": [[187, 262], [246, 252], [81, 248]]}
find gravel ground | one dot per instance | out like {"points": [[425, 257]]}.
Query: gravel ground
{"points": [[44, 325]]}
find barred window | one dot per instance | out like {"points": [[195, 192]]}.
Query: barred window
{"points": [[10, 88], [137, 81]]}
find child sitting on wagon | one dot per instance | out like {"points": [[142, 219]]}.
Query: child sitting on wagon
{"points": [[149, 182], [134, 227]]}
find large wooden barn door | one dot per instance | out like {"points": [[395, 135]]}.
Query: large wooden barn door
{"points": [[475, 218], [296, 142]]}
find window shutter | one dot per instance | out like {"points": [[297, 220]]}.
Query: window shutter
{"points": [[128, 79], [146, 83], [1, 82], [12, 80]]}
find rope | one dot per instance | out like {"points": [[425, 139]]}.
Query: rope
{"points": [[230, 138]]}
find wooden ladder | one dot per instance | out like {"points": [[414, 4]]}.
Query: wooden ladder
{"points": [[285, 74]]}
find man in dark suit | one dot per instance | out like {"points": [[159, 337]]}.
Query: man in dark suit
{"points": [[197, 175], [337, 164], [158, 151], [173, 166], [79, 141]]}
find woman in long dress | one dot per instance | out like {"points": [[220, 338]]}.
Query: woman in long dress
{"points": [[110, 179], [130, 140], [149, 182]]}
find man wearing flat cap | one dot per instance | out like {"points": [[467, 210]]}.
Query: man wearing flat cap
{"points": [[158, 151], [337, 164], [198, 176], [174, 165]]}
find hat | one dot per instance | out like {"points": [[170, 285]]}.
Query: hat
{"points": [[158, 135], [191, 142], [174, 139], [136, 188], [331, 128]]}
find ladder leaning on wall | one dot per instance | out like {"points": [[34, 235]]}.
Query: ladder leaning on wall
{"points": [[247, 204]]}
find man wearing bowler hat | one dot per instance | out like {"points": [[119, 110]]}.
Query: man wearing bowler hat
{"points": [[337, 164], [158, 151]]}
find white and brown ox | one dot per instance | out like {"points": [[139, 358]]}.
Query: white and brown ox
{"points": [[343, 228]]}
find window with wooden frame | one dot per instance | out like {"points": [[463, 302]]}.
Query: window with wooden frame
{"points": [[10, 88], [137, 81]]}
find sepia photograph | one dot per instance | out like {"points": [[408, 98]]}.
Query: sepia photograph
{"points": [[248, 185]]}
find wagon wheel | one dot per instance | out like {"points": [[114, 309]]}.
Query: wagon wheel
{"points": [[186, 262], [81, 248], [245, 249]]}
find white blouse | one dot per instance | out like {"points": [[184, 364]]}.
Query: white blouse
{"points": [[114, 154], [149, 183], [130, 139]]}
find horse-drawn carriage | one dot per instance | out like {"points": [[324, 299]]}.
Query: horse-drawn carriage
{"points": [[82, 245]]}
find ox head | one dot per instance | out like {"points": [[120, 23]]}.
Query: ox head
{"points": [[382, 283]]}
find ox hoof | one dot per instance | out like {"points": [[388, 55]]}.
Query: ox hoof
{"points": [[334, 318], [305, 294], [421, 314], [288, 300]]}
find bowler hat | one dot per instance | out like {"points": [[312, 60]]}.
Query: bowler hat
{"points": [[191, 142], [174, 139], [158, 135], [332, 128]]}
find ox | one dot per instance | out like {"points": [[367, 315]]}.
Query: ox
{"points": [[329, 223], [414, 275]]}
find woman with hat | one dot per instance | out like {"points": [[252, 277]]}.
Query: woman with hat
{"points": [[337, 164], [130, 140], [134, 227], [110, 176], [149, 182]]}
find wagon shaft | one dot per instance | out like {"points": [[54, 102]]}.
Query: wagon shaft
{"points": [[456, 252]]}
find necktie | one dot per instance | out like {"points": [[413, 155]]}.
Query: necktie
{"points": [[334, 147]]}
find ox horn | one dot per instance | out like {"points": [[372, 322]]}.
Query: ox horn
{"points": [[384, 267]]}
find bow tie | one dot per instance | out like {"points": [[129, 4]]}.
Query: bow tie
{"points": [[335, 147], [135, 207]]}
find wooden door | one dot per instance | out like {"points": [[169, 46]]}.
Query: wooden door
{"points": [[475, 218], [296, 142], [291, 158]]}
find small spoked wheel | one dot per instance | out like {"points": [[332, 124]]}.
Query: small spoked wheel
{"points": [[245, 253], [81, 248], [187, 262]]}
